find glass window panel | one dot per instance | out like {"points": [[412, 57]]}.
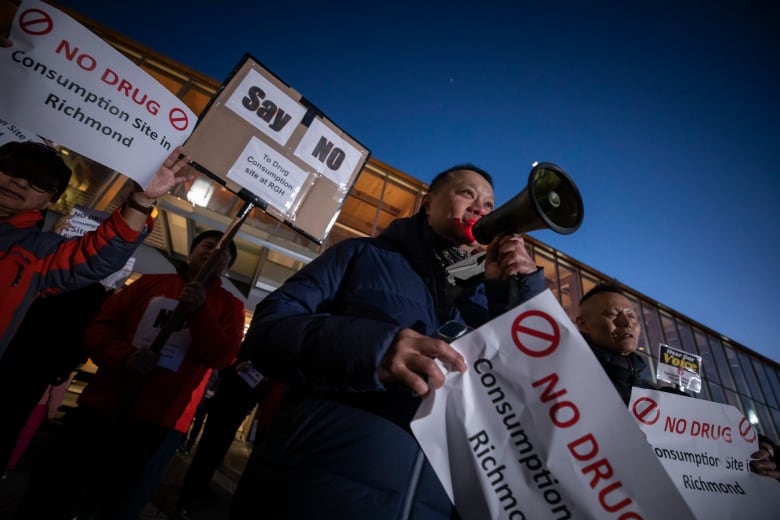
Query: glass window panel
{"points": [[705, 391], [399, 201], [588, 281], [196, 99], [750, 376], [361, 208], [709, 369], [545, 261], [763, 379], [717, 394], [733, 399], [339, 233], [774, 380], [720, 360], [652, 328], [358, 215], [766, 420], [686, 337], [570, 288], [670, 330], [776, 421], [751, 413], [383, 220], [736, 370]]}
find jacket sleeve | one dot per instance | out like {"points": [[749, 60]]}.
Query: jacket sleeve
{"points": [[216, 329], [107, 340], [505, 295], [298, 336], [90, 258]]}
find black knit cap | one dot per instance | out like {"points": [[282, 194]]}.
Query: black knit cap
{"points": [[37, 163]]}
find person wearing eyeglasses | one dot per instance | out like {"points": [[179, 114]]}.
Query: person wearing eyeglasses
{"points": [[34, 263]]}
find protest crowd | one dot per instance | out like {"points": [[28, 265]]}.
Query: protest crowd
{"points": [[337, 361]]}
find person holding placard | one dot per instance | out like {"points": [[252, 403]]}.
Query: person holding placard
{"points": [[34, 263], [610, 324], [354, 336], [100, 462]]}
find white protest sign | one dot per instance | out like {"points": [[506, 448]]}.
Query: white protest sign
{"points": [[63, 82], [264, 106], [328, 153], [9, 131], [261, 169], [154, 317], [679, 368], [81, 220], [535, 430], [705, 447]]}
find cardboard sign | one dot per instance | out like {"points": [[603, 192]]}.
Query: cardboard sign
{"points": [[705, 448], [679, 368], [534, 429], [260, 135], [64, 83]]}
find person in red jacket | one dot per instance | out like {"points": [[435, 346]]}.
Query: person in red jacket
{"points": [[35, 263], [77, 474]]}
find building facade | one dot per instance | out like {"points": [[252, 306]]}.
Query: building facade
{"points": [[269, 251]]}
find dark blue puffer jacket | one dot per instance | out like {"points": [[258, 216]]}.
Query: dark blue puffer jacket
{"points": [[340, 446]]}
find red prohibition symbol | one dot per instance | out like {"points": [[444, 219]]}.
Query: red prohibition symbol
{"points": [[36, 22], [538, 340], [747, 431], [646, 411], [178, 119]]}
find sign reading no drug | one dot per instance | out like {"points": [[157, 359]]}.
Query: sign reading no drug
{"points": [[260, 135]]}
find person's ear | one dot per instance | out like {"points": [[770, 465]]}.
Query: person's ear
{"points": [[426, 202], [581, 323]]}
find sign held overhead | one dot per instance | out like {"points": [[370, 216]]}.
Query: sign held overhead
{"points": [[260, 135]]}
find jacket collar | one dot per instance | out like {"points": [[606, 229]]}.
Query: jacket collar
{"points": [[632, 362], [24, 219]]}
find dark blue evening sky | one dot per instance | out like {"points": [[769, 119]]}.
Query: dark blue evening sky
{"points": [[666, 114]]}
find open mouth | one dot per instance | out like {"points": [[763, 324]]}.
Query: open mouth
{"points": [[465, 227]]}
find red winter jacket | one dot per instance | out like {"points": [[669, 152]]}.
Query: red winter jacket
{"points": [[167, 398], [35, 263]]}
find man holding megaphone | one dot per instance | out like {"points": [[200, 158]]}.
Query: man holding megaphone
{"points": [[358, 335]]}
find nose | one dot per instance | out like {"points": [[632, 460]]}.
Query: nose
{"points": [[622, 320], [479, 208], [21, 181]]}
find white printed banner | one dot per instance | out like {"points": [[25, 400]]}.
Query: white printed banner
{"points": [[534, 429], [64, 83], [9, 131], [705, 447]]}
